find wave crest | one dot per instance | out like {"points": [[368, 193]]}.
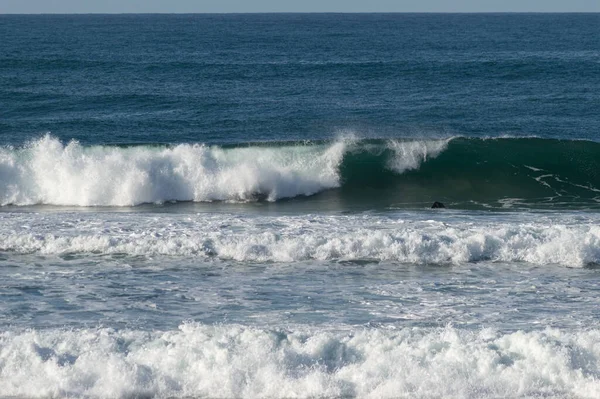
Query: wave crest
{"points": [[48, 172]]}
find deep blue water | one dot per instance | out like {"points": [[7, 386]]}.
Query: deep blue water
{"points": [[238, 78], [239, 205]]}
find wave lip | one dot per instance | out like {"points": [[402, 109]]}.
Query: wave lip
{"points": [[237, 361]]}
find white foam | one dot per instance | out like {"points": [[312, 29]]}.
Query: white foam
{"points": [[410, 155], [533, 168], [49, 172], [532, 239], [236, 361]]}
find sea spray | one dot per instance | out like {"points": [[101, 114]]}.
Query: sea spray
{"points": [[410, 155]]}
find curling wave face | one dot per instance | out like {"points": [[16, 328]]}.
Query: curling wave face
{"points": [[236, 361], [466, 173]]}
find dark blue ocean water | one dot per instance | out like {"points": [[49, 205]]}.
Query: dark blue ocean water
{"points": [[239, 206], [239, 78]]}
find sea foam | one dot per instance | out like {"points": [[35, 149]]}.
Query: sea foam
{"points": [[236, 361], [564, 240]]}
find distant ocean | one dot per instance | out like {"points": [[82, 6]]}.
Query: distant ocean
{"points": [[240, 205]]}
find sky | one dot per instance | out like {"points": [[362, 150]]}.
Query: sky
{"points": [[244, 6]]}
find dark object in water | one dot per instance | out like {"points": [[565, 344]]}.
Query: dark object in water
{"points": [[437, 205]]}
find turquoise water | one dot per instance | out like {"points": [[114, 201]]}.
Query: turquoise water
{"points": [[239, 205]]}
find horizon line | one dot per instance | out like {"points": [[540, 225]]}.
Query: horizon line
{"points": [[299, 12]]}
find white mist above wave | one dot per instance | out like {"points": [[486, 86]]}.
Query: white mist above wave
{"points": [[49, 172], [559, 239], [411, 154], [236, 361]]}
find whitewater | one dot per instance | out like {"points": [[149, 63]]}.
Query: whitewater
{"points": [[570, 240], [238, 361], [299, 269], [213, 304]]}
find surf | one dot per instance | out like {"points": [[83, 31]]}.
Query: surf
{"points": [[461, 172], [197, 360], [453, 239]]}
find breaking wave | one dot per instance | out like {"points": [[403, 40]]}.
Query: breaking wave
{"points": [[48, 172], [244, 362], [464, 172], [571, 240]]}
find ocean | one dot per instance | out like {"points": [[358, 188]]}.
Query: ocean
{"points": [[240, 206]]}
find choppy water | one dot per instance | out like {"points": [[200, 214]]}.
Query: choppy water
{"points": [[238, 206]]}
